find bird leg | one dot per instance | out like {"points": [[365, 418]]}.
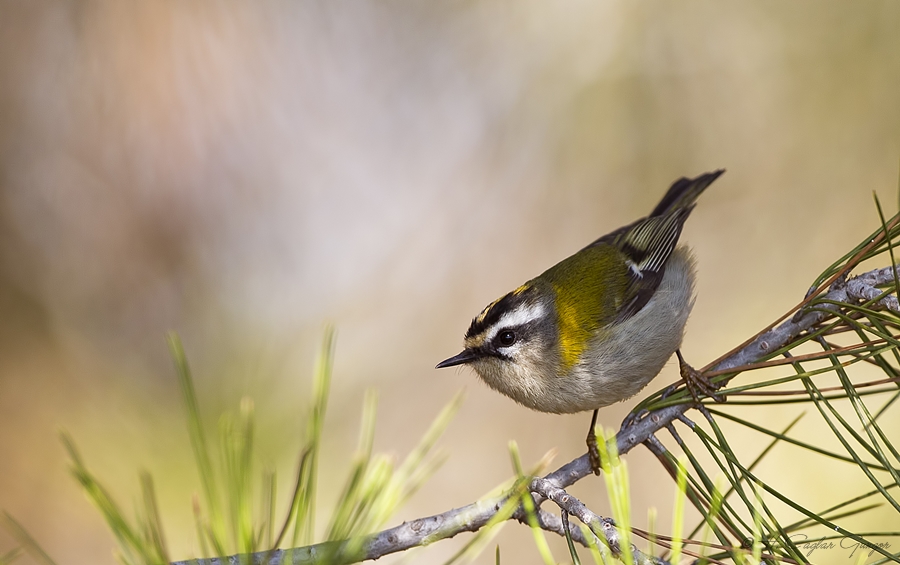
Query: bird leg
{"points": [[593, 451], [696, 382]]}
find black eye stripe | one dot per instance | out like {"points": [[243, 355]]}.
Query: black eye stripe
{"points": [[523, 333]]}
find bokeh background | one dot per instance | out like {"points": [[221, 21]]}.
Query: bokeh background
{"points": [[245, 173]]}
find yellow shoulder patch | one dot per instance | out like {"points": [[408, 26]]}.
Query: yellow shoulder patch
{"points": [[573, 335]]}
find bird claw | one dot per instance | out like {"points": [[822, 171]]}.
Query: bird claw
{"points": [[633, 418], [697, 383]]}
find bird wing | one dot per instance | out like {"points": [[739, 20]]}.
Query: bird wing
{"points": [[646, 247]]}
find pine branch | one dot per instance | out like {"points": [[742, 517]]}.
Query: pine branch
{"points": [[474, 516]]}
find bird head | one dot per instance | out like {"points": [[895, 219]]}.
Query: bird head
{"points": [[513, 342]]}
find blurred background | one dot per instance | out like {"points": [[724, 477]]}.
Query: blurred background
{"points": [[245, 173]]}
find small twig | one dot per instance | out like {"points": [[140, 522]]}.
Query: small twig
{"points": [[864, 287], [550, 522], [814, 356], [598, 525]]}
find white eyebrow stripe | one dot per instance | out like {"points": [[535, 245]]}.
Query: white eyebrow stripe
{"points": [[521, 315]]}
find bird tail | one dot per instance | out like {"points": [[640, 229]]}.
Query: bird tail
{"points": [[649, 241], [684, 192]]}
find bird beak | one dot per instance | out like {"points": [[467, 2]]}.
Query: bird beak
{"points": [[465, 357]]}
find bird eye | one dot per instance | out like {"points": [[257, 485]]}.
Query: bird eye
{"points": [[507, 338]]}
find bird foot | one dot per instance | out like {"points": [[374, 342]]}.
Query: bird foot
{"points": [[633, 418], [697, 383]]}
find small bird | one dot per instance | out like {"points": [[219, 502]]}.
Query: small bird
{"points": [[595, 328]]}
